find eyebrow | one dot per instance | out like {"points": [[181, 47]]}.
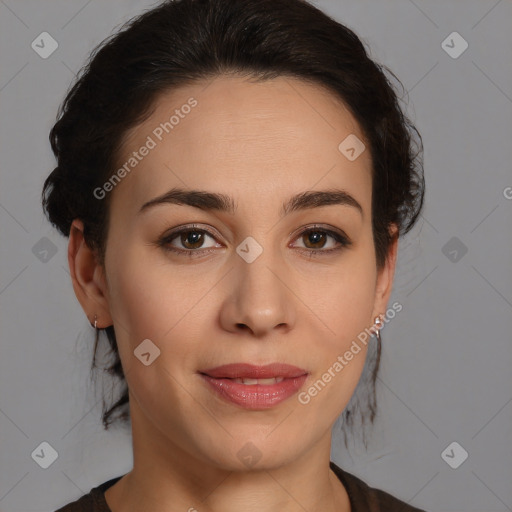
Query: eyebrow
{"points": [[224, 203]]}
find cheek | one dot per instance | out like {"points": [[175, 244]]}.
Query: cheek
{"points": [[345, 307], [152, 302], [154, 299], [133, 302], [352, 305], [348, 320], [339, 356], [350, 295]]}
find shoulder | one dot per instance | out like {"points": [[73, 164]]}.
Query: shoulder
{"points": [[93, 501], [368, 499]]}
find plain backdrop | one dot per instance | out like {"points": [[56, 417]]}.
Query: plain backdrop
{"points": [[444, 390]]}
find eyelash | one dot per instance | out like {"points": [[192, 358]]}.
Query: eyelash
{"points": [[166, 239]]}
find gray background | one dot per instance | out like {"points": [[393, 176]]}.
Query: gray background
{"points": [[445, 373]]}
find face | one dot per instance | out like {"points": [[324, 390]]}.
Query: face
{"points": [[244, 276]]}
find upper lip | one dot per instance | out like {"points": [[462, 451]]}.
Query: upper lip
{"points": [[250, 371]]}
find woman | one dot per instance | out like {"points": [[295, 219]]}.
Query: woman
{"points": [[233, 177]]}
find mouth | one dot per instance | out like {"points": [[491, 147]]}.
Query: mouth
{"points": [[255, 387]]}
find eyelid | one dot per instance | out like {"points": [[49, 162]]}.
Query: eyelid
{"points": [[169, 236], [338, 235], [319, 227]]}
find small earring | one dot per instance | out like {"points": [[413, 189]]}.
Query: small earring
{"points": [[378, 326], [95, 322]]}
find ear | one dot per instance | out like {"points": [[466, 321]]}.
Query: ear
{"points": [[385, 276], [88, 277]]}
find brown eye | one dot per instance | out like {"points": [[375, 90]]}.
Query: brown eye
{"points": [[322, 241], [192, 239], [188, 241], [315, 239]]}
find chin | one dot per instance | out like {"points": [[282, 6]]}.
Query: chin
{"points": [[253, 451]]}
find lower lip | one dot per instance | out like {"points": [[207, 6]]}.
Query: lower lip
{"points": [[256, 396]]}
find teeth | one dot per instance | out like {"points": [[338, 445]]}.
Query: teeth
{"points": [[262, 382]]}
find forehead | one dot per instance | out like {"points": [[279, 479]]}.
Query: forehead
{"points": [[246, 136]]}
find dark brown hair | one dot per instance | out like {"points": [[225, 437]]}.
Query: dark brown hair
{"points": [[183, 41]]}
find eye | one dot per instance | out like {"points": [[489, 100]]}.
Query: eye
{"points": [[190, 240], [316, 240]]}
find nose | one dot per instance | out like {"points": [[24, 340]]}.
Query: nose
{"points": [[259, 299]]}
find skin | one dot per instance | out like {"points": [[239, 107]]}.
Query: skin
{"points": [[259, 143]]}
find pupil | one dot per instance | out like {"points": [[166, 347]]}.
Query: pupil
{"points": [[192, 238], [315, 237]]}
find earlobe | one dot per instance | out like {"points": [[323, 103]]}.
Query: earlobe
{"points": [[87, 277]]}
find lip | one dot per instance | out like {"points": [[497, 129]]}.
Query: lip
{"points": [[251, 371], [255, 396]]}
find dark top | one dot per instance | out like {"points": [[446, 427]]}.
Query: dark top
{"points": [[362, 497]]}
